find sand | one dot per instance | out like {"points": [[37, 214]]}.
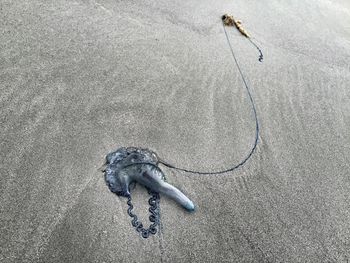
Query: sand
{"points": [[79, 79]]}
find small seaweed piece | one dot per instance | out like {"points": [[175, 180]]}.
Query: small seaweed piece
{"points": [[229, 20]]}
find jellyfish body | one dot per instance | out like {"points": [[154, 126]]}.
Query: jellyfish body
{"points": [[127, 165]]}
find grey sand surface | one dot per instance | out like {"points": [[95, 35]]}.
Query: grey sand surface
{"points": [[79, 79]]}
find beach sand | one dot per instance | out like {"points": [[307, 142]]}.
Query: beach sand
{"points": [[79, 79]]}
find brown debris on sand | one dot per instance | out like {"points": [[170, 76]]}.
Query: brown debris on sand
{"points": [[229, 20]]}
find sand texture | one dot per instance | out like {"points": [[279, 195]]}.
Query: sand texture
{"points": [[79, 79]]}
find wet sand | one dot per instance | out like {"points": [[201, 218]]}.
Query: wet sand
{"points": [[79, 79]]}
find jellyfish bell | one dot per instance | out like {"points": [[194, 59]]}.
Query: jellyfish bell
{"points": [[127, 165]]}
